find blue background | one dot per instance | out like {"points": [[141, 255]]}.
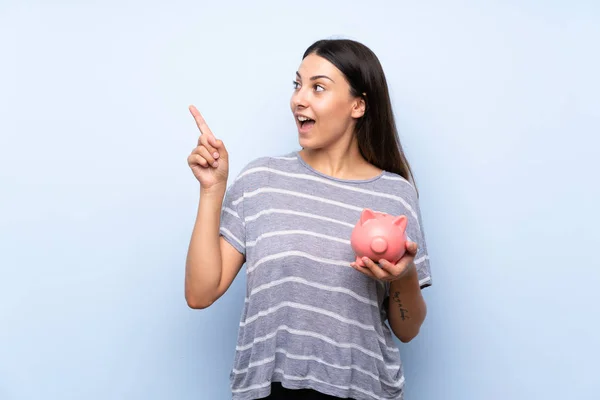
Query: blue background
{"points": [[498, 109]]}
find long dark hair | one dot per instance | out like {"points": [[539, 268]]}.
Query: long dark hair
{"points": [[376, 131]]}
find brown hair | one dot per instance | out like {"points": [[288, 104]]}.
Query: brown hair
{"points": [[376, 130]]}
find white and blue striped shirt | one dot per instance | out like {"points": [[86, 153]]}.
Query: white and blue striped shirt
{"points": [[310, 320]]}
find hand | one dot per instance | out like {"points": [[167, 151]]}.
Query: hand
{"points": [[209, 161], [387, 271]]}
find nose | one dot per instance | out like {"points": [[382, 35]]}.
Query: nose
{"points": [[299, 99]]}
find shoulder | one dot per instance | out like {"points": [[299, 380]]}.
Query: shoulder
{"points": [[396, 184], [261, 170], [278, 161], [404, 193]]}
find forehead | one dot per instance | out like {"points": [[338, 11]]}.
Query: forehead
{"points": [[315, 65]]}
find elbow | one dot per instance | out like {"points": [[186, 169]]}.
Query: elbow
{"points": [[198, 298], [406, 333], [406, 338], [409, 332], [196, 303]]}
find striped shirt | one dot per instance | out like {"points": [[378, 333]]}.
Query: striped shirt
{"points": [[309, 319]]}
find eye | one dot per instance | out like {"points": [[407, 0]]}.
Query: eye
{"points": [[319, 87], [296, 84]]}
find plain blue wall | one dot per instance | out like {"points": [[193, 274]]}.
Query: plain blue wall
{"points": [[498, 108]]}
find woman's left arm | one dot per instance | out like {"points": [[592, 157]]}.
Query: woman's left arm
{"points": [[407, 308]]}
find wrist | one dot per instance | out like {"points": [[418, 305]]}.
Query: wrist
{"points": [[217, 190], [408, 278]]}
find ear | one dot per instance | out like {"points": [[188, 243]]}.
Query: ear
{"points": [[366, 215], [401, 221], [359, 107]]}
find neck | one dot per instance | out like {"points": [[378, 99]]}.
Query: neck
{"points": [[341, 160]]}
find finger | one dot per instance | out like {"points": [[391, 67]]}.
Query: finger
{"points": [[363, 270], [202, 161], [396, 270], [217, 143], [406, 260], [200, 122], [197, 159], [205, 140], [393, 269], [412, 247], [203, 151], [375, 269]]}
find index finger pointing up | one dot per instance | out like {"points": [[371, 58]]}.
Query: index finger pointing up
{"points": [[200, 122]]}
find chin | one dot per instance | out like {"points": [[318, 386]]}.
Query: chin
{"points": [[309, 146], [307, 143], [304, 144], [302, 139]]}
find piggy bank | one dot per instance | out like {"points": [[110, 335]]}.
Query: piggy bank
{"points": [[379, 236]]}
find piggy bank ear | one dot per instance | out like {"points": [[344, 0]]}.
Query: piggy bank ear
{"points": [[366, 215], [401, 222]]}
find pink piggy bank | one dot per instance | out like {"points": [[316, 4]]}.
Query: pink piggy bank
{"points": [[379, 236]]}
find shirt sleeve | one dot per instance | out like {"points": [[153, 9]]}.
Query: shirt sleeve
{"points": [[416, 233], [232, 226]]}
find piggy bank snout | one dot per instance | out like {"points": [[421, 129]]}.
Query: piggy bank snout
{"points": [[379, 245], [378, 235]]}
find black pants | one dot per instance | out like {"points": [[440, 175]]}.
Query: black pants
{"points": [[278, 392]]}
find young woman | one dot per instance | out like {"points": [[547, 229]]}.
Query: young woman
{"points": [[314, 321]]}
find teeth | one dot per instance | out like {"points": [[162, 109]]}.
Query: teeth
{"points": [[302, 118]]}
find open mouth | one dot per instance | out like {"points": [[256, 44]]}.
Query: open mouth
{"points": [[305, 123]]}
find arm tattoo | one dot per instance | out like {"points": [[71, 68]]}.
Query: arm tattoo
{"points": [[403, 311]]}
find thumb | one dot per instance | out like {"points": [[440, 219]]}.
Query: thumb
{"points": [[412, 247]]}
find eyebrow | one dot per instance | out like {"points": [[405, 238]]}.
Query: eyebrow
{"points": [[312, 78]]}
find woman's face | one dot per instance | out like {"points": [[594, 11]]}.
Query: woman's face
{"points": [[322, 105]]}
